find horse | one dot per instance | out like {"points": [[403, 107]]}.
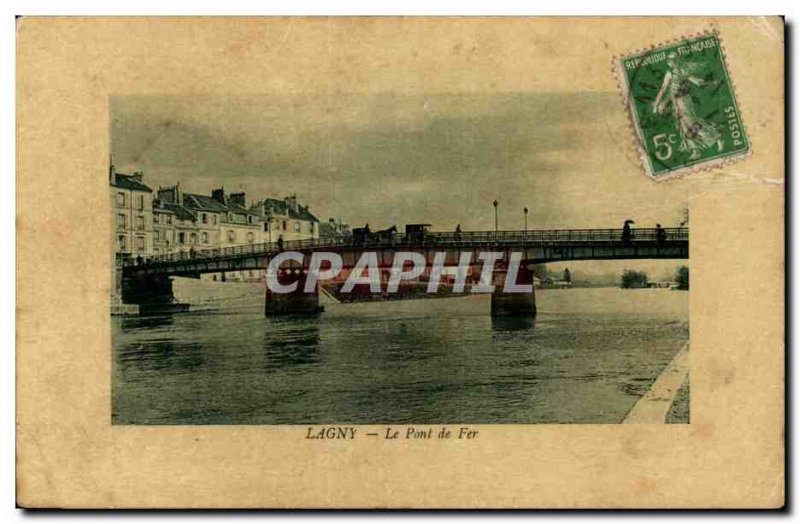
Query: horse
{"points": [[387, 234]]}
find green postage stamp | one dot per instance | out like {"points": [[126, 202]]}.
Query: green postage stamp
{"points": [[682, 106]]}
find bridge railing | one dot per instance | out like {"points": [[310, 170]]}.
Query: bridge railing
{"points": [[430, 239], [559, 235]]}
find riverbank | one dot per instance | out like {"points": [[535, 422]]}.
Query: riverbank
{"points": [[667, 400]]}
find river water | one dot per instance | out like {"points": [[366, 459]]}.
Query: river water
{"points": [[587, 358]]}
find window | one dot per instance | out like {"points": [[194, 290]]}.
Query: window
{"points": [[297, 226], [250, 238], [139, 222], [157, 235], [231, 236], [169, 219], [141, 202], [193, 238], [204, 237], [121, 222], [311, 228], [266, 225], [120, 199], [168, 236], [283, 224], [140, 244], [205, 218], [214, 219], [181, 238], [122, 245]]}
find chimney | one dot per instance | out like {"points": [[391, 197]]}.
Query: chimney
{"points": [[138, 175], [170, 195], [291, 202], [238, 198], [219, 195]]}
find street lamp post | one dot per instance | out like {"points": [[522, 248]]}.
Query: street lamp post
{"points": [[495, 217], [525, 213]]}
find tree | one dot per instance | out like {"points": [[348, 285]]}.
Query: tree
{"points": [[540, 271], [633, 279], [682, 277], [567, 276]]}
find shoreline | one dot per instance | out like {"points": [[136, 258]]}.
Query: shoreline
{"points": [[656, 405]]}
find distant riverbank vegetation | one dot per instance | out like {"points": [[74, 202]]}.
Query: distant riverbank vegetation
{"points": [[682, 278], [631, 279]]}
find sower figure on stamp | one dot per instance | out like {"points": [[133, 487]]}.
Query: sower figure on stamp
{"points": [[696, 133]]}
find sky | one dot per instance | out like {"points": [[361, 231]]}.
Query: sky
{"points": [[388, 158]]}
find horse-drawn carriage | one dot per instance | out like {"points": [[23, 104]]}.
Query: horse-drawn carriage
{"points": [[415, 234], [363, 236]]}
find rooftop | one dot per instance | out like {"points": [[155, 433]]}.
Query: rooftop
{"points": [[180, 211], [203, 202], [279, 207], [129, 182]]}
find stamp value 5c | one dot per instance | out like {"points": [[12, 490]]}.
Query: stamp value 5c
{"points": [[682, 105]]}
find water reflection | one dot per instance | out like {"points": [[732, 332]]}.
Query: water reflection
{"points": [[146, 322], [585, 359], [290, 342], [512, 323], [158, 355]]}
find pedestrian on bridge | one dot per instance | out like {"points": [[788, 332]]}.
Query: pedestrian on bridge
{"points": [[661, 234], [627, 234], [458, 233]]}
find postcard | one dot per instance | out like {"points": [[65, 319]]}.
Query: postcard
{"points": [[400, 262]]}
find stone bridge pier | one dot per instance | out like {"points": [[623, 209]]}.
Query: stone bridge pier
{"points": [[152, 293], [296, 302], [507, 304]]}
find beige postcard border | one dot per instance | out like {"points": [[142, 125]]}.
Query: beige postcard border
{"points": [[69, 455]]}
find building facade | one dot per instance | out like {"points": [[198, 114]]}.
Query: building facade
{"points": [[334, 228], [287, 219], [238, 224], [164, 241], [208, 214], [132, 209], [172, 221], [131, 203]]}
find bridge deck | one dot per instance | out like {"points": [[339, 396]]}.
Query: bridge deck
{"points": [[538, 245]]}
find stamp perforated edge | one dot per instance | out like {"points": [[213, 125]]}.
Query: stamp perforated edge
{"points": [[637, 139]]}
